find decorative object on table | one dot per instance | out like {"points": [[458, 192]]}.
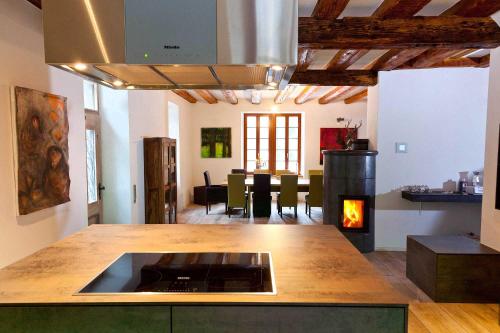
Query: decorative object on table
{"points": [[417, 188], [41, 125], [331, 139], [216, 142], [352, 134]]}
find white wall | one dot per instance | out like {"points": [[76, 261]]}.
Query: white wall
{"points": [[127, 117], [148, 117], [315, 116], [490, 228], [440, 114], [116, 166], [22, 59]]}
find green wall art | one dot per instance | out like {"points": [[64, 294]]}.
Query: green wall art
{"points": [[216, 142]]}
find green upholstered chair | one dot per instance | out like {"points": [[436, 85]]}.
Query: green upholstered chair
{"points": [[315, 172], [288, 193], [315, 196], [236, 194]]}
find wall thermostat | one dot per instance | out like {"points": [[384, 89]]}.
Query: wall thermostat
{"points": [[401, 148]]}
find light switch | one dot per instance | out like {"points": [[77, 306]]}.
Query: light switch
{"points": [[401, 148]]}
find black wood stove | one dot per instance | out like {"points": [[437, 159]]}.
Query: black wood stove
{"points": [[349, 195]]}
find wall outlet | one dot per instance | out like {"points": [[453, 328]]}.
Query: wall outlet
{"points": [[401, 148]]}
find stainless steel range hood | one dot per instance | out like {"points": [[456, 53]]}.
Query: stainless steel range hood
{"points": [[174, 44]]}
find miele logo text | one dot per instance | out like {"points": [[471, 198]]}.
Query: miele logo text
{"points": [[171, 47], [183, 278]]}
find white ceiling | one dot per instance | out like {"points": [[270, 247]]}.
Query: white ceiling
{"points": [[322, 57]]}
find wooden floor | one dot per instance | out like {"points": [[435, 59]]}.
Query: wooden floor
{"points": [[196, 215], [425, 315]]}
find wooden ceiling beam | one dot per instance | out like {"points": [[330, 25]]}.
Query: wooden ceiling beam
{"points": [[357, 97], [186, 95], [345, 59], [324, 9], [467, 8], [431, 57], [305, 59], [326, 78], [283, 95], [329, 9], [305, 94], [483, 61], [390, 9], [456, 62], [473, 8], [423, 31], [387, 10], [36, 3], [207, 96], [335, 94], [256, 97], [393, 59], [230, 96]]}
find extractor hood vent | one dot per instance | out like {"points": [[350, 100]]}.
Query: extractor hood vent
{"points": [[174, 44]]}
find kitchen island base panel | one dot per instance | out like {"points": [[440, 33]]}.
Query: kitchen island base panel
{"points": [[85, 319], [290, 319], [206, 319]]}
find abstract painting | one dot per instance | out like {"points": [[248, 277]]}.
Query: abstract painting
{"points": [[41, 122], [332, 138], [216, 142]]}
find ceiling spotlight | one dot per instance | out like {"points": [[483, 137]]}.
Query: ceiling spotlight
{"points": [[117, 83], [130, 87], [277, 68], [80, 67]]}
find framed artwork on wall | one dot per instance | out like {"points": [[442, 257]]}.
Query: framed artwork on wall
{"points": [[497, 198], [333, 138], [42, 152], [216, 142]]}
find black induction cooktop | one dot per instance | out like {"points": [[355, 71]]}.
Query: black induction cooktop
{"points": [[185, 273]]}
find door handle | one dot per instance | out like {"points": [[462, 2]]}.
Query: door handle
{"points": [[100, 189]]}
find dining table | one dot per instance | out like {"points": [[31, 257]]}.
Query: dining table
{"points": [[303, 184]]}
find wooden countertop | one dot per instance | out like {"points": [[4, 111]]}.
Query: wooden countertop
{"points": [[312, 264]]}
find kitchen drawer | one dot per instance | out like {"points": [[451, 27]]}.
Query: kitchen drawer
{"points": [[289, 319]]}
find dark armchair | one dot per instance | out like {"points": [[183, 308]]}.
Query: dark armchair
{"points": [[214, 194]]}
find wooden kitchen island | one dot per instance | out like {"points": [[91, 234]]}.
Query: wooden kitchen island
{"points": [[323, 284]]}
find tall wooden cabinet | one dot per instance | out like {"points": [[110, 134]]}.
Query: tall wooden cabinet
{"points": [[160, 180]]}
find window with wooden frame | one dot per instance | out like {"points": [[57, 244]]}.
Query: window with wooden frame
{"points": [[272, 142]]}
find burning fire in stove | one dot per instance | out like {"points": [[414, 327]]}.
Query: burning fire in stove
{"points": [[354, 214]]}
